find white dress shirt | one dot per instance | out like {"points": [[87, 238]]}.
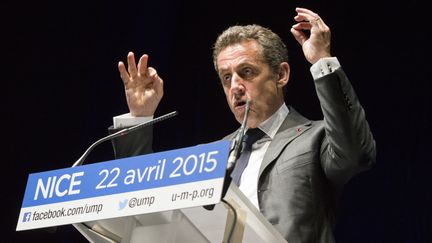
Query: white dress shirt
{"points": [[249, 178]]}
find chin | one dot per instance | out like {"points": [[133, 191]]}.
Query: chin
{"points": [[238, 116], [252, 123], [239, 119]]}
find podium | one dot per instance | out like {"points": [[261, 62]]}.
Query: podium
{"points": [[171, 196], [195, 224]]}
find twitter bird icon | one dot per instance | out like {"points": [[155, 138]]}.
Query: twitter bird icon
{"points": [[122, 204]]}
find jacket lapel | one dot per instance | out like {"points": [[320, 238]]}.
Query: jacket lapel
{"points": [[293, 126]]}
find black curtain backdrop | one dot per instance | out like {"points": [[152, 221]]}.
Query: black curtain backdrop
{"points": [[59, 67]]}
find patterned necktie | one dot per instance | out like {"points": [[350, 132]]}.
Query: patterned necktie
{"points": [[251, 136]]}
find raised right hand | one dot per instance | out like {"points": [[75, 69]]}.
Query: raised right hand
{"points": [[317, 44], [143, 86]]}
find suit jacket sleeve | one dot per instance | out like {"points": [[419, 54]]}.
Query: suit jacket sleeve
{"points": [[135, 143], [348, 146]]}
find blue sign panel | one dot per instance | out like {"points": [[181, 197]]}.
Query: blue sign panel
{"points": [[198, 163]]}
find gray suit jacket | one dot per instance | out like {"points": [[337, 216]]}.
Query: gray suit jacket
{"points": [[307, 163]]}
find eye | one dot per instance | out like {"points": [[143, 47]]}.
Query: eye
{"points": [[226, 78], [247, 72]]}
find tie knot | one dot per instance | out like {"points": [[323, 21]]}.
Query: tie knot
{"points": [[252, 135]]}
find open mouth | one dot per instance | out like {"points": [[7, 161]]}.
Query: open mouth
{"points": [[239, 104]]}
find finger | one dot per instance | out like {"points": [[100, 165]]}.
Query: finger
{"points": [[299, 35], [305, 11], [152, 73], [312, 19], [157, 81], [158, 86], [300, 18], [131, 65], [123, 73], [321, 23], [302, 26], [142, 65]]}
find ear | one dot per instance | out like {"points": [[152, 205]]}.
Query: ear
{"points": [[283, 74]]}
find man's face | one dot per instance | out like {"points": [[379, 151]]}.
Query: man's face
{"points": [[244, 73]]}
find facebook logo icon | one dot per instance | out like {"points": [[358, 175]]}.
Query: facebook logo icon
{"points": [[26, 217]]}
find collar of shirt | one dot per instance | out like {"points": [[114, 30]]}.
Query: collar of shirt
{"points": [[272, 124]]}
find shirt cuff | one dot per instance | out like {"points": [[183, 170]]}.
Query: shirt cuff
{"points": [[127, 120], [324, 66]]}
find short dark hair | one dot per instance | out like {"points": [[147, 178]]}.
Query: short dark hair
{"points": [[274, 50]]}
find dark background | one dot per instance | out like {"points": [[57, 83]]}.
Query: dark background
{"points": [[59, 66]]}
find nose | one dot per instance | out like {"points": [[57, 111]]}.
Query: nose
{"points": [[237, 84]]}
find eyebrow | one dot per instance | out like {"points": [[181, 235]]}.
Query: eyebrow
{"points": [[241, 65]]}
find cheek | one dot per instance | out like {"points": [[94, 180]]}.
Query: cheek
{"points": [[268, 90], [265, 96], [256, 94], [227, 97], [226, 92]]}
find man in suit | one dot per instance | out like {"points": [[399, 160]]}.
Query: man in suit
{"points": [[298, 167]]}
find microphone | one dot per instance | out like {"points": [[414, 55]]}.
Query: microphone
{"points": [[235, 149], [237, 142], [122, 132]]}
